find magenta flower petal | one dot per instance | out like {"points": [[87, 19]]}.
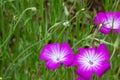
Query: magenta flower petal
{"points": [[87, 74], [105, 30], [117, 14], [100, 18], [77, 56], [49, 50], [117, 18], [66, 48], [83, 50], [56, 54], [68, 60], [117, 31], [113, 20], [109, 20], [102, 49], [76, 60], [91, 59], [52, 65], [102, 68]]}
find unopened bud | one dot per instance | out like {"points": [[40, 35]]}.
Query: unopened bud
{"points": [[99, 27], [116, 44], [33, 8], [66, 23], [0, 78], [66, 11], [83, 9]]}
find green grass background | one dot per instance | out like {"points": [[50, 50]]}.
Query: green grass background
{"points": [[26, 26]]}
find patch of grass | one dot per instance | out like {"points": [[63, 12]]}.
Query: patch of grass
{"points": [[24, 31]]}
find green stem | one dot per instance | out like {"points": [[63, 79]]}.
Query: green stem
{"points": [[118, 71], [14, 27], [96, 32], [103, 41], [60, 34], [82, 40], [113, 53]]}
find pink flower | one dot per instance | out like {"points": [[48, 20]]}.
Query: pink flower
{"points": [[55, 54], [92, 60], [109, 20]]}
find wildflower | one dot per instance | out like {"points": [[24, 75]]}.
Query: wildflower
{"points": [[55, 54], [92, 60], [109, 21]]}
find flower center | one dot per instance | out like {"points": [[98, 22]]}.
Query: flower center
{"points": [[112, 23], [58, 59], [90, 62]]}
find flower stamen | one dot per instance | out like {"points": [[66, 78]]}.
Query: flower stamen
{"points": [[90, 62]]}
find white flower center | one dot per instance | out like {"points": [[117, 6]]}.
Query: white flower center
{"points": [[58, 55], [91, 60], [112, 23]]}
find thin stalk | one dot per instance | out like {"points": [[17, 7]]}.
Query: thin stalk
{"points": [[118, 71], [14, 27], [82, 40], [113, 53], [96, 32], [103, 41]]}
